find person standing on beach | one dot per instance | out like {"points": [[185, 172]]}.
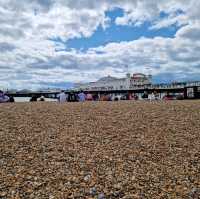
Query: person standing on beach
{"points": [[154, 96], [11, 99], [81, 97], [62, 97], [145, 95], [151, 96], [72, 97], [3, 97], [33, 98], [89, 97]]}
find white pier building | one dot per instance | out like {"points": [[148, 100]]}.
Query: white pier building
{"points": [[113, 83]]}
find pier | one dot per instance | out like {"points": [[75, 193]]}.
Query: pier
{"points": [[189, 90]]}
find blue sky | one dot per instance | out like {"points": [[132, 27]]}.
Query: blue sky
{"points": [[119, 33], [59, 43]]}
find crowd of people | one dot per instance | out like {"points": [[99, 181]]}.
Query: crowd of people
{"points": [[76, 97], [86, 96]]}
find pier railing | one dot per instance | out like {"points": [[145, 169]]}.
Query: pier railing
{"points": [[181, 85]]}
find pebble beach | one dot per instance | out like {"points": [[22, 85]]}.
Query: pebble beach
{"points": [[102, 150]]}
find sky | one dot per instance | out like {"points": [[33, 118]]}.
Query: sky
{"points": [[56, 43]]}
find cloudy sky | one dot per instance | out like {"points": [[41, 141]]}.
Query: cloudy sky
{"points": [[55, 43]]}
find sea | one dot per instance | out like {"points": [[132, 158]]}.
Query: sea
{"points": [[27, 99]]}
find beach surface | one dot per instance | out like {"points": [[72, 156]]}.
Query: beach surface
{"points": [[124, 149]]}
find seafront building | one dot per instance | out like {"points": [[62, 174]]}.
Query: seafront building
{"points": [[113, 83], [138, 83]]}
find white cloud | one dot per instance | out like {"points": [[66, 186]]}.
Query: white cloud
{"points": [[179, 20], [191, 31], [180, 12], [28, 57]]}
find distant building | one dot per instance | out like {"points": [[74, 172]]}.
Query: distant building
{"points": [[49, 90], [24, 91], [113, 83]]}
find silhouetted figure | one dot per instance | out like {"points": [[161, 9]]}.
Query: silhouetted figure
{"points": [[12, 99], [72, 97], [127, 96], [33, 98], [145, 95]]}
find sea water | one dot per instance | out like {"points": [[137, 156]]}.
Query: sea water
{"points": [[27, 99]]}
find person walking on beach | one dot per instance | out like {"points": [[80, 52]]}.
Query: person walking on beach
{"points": [[81, 97], [62, 97]]}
